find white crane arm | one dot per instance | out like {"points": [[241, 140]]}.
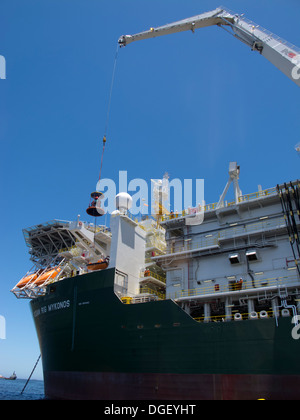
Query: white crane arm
{"points": [[195, 22], [283, 55]]}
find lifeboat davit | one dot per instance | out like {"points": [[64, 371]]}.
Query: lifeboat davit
{"points": [[99, 265], [37, 278]]}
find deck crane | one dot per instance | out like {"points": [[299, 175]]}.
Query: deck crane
{"points": [[283, 55]]}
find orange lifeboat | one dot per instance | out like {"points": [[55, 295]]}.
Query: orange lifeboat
{"points": [[47, 275], [27, 279], [99, 265]]}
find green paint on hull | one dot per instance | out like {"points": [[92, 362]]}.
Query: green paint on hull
{"points": [[83, 327]]}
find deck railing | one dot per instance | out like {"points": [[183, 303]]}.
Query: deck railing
{"points": [[212, 287]]}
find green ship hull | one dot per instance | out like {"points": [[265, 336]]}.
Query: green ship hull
{"points": [[95, 347]]}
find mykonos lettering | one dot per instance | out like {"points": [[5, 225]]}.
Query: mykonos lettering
{"points": [[58, 305], [52, 307]]}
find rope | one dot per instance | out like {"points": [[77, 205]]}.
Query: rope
{"points": [[110, 93], [108, 107], [31, 374], [104, 141]]}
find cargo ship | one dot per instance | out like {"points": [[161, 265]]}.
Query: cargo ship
{"points": [[192, 305], [180, 310]]}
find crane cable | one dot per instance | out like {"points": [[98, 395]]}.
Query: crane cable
{"points": [[108, 108]]}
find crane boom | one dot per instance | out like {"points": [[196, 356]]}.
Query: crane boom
{"points": [[283, 55]]}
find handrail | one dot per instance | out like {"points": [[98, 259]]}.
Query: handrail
{"points": [[267, 32], [213, 206], [146, 289], [152, 274], [230, 317], [232, 231], [155, 241], [218, 289]]}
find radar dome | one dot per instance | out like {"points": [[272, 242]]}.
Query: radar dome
{"points": [[123, 201]]}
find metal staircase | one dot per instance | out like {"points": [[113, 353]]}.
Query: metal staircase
{"points": [[290, 202]]}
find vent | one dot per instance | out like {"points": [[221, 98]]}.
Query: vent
{"points": [[251, 255], [234, 258]]}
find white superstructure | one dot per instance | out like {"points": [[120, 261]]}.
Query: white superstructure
{"points": [[240, 261], [243, 258]]}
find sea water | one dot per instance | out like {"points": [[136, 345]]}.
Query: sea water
{"points": [[11, 390]]}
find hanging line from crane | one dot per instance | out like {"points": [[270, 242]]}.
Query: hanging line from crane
{"points": [[108, 107], [111, 89], [94, 209]]}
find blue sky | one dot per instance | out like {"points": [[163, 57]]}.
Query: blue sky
{"points": [[186, 104]]}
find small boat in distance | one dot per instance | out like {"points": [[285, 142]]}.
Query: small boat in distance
{"points": [[11, 378]]}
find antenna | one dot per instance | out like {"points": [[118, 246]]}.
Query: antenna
{"points": [[234, 172]]}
